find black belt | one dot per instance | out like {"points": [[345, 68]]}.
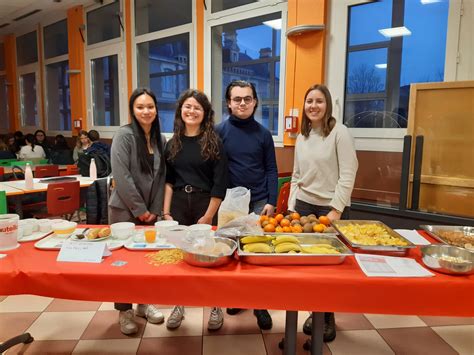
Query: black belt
{"points": [[189, 189]]}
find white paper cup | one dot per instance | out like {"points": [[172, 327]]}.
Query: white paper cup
{"points": [[9, 231], [44, 225], [26, 226], [33, 222]]}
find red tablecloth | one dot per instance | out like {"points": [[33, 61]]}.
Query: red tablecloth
{"points": [[341, 288]]}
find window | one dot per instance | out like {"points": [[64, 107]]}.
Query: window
{"points": [[99, 30], [381, 66], [157, 15], [163, 65], [27, 49], [4, 112], [105, 91], [55, 39], [58, 104], [28, 100], [219, 5], [249, 49], [163, 52]]}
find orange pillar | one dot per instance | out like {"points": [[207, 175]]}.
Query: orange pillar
{"points": [[76, 45], [305, 59], [200, 44], [12, 82]]}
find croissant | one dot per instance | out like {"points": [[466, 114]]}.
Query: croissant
{"points": [[104, 232]]}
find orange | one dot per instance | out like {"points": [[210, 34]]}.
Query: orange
{"points": [[324, 220], [284, 222], [279, 217], [295, 215], [319, 228], [263, 217], [297, 228], [269, 228], [272, 221], [287, 229], [279, 229]]}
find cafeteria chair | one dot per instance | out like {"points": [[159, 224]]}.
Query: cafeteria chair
{"points": [[21, 162], [62, 199], [24, 338], [7, 162], [70, 170], [44, 171], [2, 173], [3, 202], [282, 202]]}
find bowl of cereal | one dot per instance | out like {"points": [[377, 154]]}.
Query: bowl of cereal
{"points": [[448, 259]]}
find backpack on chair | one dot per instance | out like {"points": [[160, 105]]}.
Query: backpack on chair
{"points": [[102, 163]]}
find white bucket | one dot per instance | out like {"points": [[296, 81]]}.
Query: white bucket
{"points": [[9, 231]]}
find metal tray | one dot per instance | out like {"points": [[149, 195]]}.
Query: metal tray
{"points": [[299, 259], [374, 249], [466, 235]]}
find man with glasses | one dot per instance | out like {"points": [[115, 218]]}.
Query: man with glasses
{"points": [[251, 159]]}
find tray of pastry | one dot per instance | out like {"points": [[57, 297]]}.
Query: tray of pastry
{"points": [[369, 236], [460, 236], [286, 249]]}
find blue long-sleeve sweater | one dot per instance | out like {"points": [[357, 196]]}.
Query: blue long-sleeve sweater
{"points": [[251, 157]]}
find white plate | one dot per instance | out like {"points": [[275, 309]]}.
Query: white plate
{"points": [[34, 236], [132, 245], [76, 239]]}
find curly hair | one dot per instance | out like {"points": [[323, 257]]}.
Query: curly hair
{"points": [[328, 121], [209, 141]]}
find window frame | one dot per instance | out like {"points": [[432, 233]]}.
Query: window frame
{"points": [[190, 29], [240, 13], [7, 129], [114, 46]]}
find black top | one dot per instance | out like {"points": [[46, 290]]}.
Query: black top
{"points": [[61, 156], [189, 168], [6, 154], [151, 160]]}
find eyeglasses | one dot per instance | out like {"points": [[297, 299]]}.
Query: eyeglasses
{"points": [[238, 99]]}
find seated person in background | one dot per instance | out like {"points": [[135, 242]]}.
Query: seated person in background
{"points": [[83, 142], [60, 153], [5, 152], [31, 150], [41, 139], [97, 145], [19, 138]]}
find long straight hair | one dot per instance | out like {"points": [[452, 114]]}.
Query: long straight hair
{"points": [[328, 120], [31, 139], [155, 133], [209, 140]]}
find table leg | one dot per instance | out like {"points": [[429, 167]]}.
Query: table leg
{"points": [[291, 324], [317, 333]]}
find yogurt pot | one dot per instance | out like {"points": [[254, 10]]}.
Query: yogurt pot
{"points": [[163, 226], [9, 231], [33, 222], [45, 225], [27, 227]]}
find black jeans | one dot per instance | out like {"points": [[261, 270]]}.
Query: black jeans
{"points": [[187, 208], [304, 209]]}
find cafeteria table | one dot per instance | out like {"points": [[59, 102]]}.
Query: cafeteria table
{"points": [[332, 288], [9, 169]]}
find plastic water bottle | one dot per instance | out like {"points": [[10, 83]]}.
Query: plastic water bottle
{"points": [[28, 177], [93, 169]]}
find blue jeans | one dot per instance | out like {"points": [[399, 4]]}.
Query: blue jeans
{"points": [[257, 206]]}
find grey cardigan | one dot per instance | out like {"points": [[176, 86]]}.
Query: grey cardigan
{"points": [[134, 192]]}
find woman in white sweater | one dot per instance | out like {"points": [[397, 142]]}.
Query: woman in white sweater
{"points": [[324, 170], [31, 150]]}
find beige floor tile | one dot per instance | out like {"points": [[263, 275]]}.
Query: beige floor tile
{"points": [[171, 346], [384, 321], [41, 347], [359, 342], [13, 324], [60, 325], [191, 325], [24, 303], [61, 305], [433, 321], [251, 344], [460, 337], [279, 318], [111, 346], [107, 306]]}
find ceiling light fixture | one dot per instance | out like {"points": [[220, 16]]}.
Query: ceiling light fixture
{"points": [[381, 66], [395, 32], [427, 2], [275, 24]]}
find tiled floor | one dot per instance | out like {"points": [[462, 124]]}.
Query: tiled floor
{"points": [[76, 327]]}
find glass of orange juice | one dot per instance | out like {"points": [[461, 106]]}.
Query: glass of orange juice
{"points": [[150, 235]]}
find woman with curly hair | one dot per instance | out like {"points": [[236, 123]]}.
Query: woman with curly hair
{"points": [[196, 175]]}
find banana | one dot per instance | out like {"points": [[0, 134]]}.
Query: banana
{"points": [[320, 249], [285, 238], [258, 248], [256, 239], [285, 247]]}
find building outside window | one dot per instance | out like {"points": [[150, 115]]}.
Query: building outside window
{"points": [[58, 104], [163, 52], [403, 43], [246, 45]]}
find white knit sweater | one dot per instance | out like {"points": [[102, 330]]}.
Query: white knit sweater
{"points": [[324, 169]]}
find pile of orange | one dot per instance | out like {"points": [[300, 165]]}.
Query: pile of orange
{"points": [[294, 223]]}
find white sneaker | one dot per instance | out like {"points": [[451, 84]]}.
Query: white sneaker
{"points": [[216, 319], [175, 318], [150, 312], [127, 324]]}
